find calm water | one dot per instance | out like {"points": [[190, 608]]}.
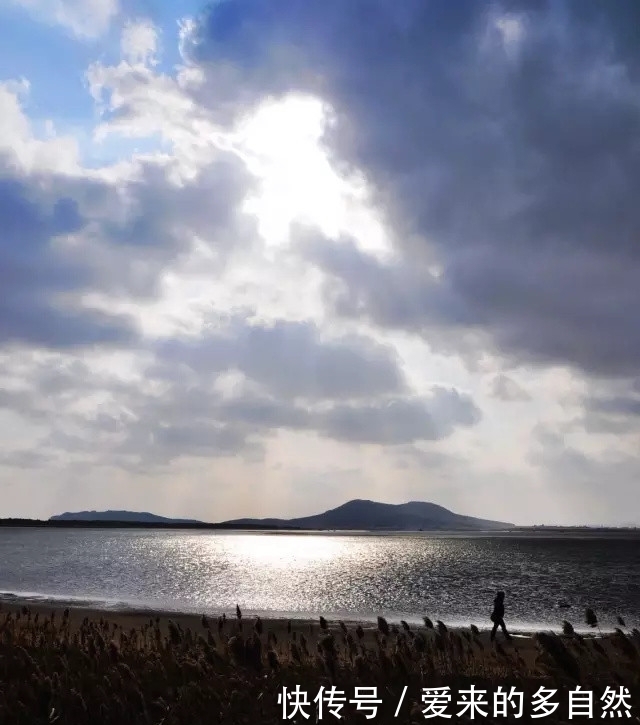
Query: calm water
{"points": [[349, 576]]}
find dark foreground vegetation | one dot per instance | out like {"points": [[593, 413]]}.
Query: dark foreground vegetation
{"points": [[89, 671]]}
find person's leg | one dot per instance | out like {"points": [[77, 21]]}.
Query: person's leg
{"points": [[494, 630], [504, 629]]}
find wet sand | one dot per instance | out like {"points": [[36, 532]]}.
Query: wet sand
{"points": [[127, 619]]}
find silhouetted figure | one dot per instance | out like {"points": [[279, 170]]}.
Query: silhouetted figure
{"points": [[497, 616]]}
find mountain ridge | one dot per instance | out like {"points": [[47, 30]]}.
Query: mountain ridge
{"points": [[364, 514], [357, 514], [121, 516]]}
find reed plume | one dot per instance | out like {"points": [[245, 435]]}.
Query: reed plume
{"points": [[74, 672]]}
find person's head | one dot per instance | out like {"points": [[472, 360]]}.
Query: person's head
{"points": [[500, 595]]}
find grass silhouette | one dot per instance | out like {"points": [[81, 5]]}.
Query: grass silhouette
{"points": [[93, 671]]}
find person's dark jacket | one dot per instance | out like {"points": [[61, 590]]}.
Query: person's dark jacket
{"points": [[498, 610]]}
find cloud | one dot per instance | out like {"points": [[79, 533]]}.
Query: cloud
{"points": [[81, 237], [87, 19], [501, 142], [470, 241], [505, 388], [624, 406], [20, 149], [154, 218], [291, 360], [577, 475], [225, 395], [34, 275], [139, 42], [428, 461], [401, 420], [613, 409], [81, 247], [134, 100]]}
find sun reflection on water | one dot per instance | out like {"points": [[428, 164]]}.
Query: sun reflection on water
{"points": [[287, 552], [346, 576]]}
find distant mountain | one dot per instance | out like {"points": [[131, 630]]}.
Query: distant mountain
{"points": [[368, 515], [120, 516], [356, 515]]}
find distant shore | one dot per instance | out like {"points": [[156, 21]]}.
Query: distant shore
{"points": [[98, 524], [534, 531]]}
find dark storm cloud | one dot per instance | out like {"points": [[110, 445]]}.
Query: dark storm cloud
{"points": [[317, 402], [132, 426], [261, 413], [129, 234], [205, 440], [623, 406], [178, 411], [505, 388], [387, 421], [32, 274], [615, 411], [177, 425], [401, 420], [291, 360], [163, 214], [146, 223], [502, 141]]}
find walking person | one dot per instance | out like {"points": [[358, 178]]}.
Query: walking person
{"points": [[497, 616]]}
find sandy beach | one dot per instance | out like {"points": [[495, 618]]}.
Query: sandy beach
{"points": [[522, 644], [126, 619]]}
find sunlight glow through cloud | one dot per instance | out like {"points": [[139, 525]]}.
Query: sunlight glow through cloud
{"points": [[195, 288], [282, 143]]}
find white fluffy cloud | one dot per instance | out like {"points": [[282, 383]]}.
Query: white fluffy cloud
{"points": [[139, 42], [87, 19]]}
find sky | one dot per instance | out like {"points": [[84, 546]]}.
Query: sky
{"points": [[261, 257]]}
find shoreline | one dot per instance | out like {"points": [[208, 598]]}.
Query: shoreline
{"points": [[536, 531], [279, 630], [134, 616]]}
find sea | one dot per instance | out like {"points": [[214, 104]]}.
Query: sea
{"points": [[348, 576]]}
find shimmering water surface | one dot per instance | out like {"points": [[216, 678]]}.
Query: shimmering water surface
{"points": [[343, 576]]}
